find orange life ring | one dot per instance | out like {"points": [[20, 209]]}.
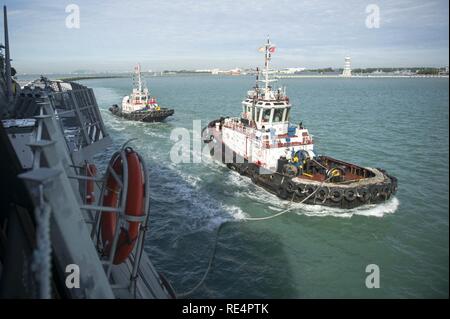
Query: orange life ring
{"points": [[134, 207], [91, 171]]}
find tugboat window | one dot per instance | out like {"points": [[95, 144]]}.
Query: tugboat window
{"points": [[258, 114], [266, 115], [278, 115], [286, 117]]}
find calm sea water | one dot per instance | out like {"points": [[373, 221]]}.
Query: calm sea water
{"points": [[400, 125]]}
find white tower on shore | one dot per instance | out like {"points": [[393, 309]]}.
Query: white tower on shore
{"points": [[347, 67]]}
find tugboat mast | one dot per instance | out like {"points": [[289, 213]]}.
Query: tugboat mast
{"points": [[266, 68], [139, 80], [268, 49]]}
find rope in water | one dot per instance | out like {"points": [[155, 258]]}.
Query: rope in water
{"points": [[213, 253]]}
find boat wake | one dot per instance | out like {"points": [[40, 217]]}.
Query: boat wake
{"points": [[370, 210], [275, 204]]}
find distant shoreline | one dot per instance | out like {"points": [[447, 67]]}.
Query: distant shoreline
{"points": [[79, 78], [337, 76], [305, 76], [294, 76]]}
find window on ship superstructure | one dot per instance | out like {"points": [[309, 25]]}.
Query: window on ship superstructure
{"points": [[286, 117], [278, 114], [257, 114], [266, 115]]}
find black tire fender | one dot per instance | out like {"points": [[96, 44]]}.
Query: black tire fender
{"points": [[394, 185], [374, 192], [364, 194], [254, 178], [282, 192], [350, 194], [290, 186], [322, 193], [309, 189], [336, 195], [243, 169], [386, 191], [299, 192]]}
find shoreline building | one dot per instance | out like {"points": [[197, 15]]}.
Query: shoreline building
{"points": [[347, 72]]}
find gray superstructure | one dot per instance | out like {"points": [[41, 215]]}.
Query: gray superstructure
{"points": [[49, 131]]}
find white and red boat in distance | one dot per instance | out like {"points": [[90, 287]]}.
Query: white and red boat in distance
{"points": [[140, 105], [279, 156]]}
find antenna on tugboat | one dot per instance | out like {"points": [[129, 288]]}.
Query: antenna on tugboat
{"points": [[266, 67], [7, 57], [138, 71]]}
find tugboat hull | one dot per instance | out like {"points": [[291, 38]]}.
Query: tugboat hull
{"points": [[143, 116], [373, 190], [361, 185]]}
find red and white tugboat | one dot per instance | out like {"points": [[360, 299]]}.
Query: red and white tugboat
{"points": [[279, 156], [140, 106]]}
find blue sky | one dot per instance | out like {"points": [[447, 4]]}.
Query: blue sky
{"points": [[197, 34]]}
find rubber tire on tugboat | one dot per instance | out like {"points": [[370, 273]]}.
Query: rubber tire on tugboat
{"points": [[282, 192], [394, 186], [243, 169], [290, 186], [374, 192], [336, 195], [386, 191], [299, 192], [309, 189], [364, 194], [322, 193], [350, 194], [254, 177]]}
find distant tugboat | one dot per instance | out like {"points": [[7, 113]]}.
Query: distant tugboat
{"points": [[140, 106], [278, 156]]}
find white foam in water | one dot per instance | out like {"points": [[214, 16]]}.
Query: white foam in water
{"points": [[235, 211], [370, 210], [208, 212], [234, 178], [192, 180], [274, 203], [149, 132]]}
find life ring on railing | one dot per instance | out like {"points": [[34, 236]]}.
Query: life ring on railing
{"points": [[134, 207], [91, 171]]}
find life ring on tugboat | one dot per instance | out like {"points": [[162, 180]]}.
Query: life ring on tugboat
{"points": [[91, 171], [134, 207]]}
